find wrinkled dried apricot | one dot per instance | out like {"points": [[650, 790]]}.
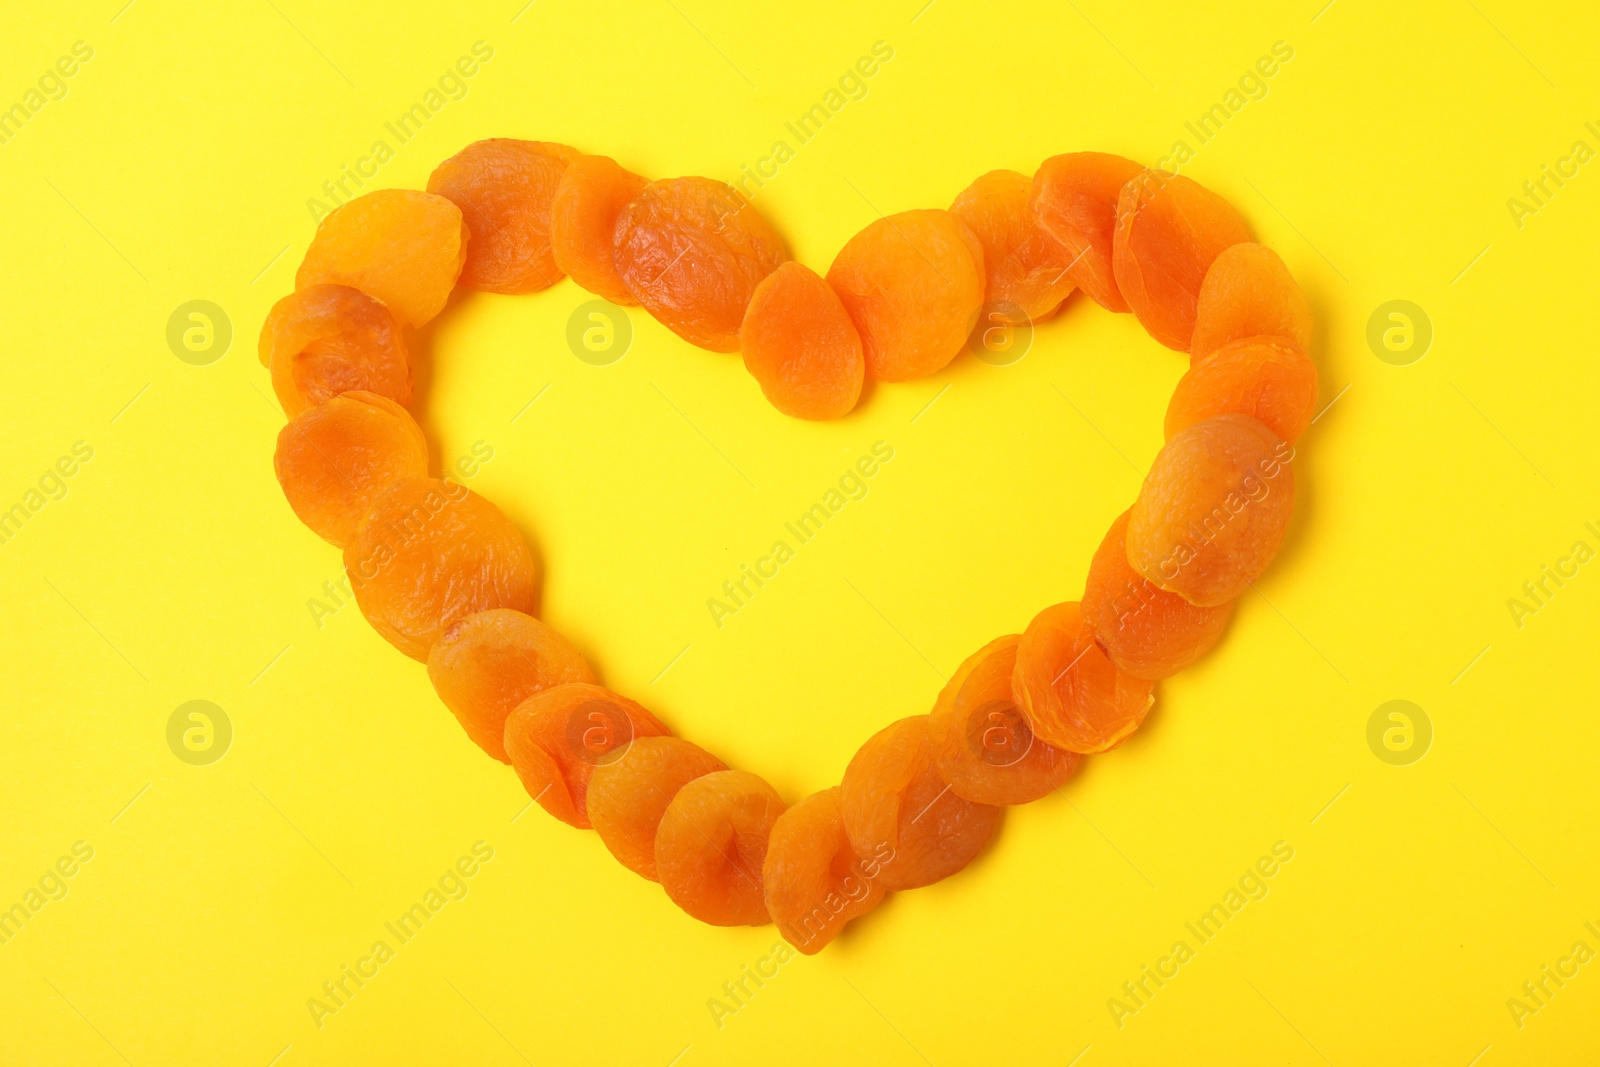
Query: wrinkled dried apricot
{"points": [[814, 881], [558, 737], [913, 284], [1248, 292], [399, 246], [583, 224], [429, 554], [712, 844], [1025, 266], [488, 663], [1266, 378], [1169, 231], [1073, 696], [334, 459], [1145, 631], [692, 250], [981, 740], [1074, 200], [331, 339], [800, 346], [505, 188], [1213, 509], [627, 797], [902, 815]]}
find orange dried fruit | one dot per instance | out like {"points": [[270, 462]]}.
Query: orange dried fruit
{"points": [[330, 339], [913, 284], [1145, 631], [712, 844], [1213, 509], [692, 251], [488, 663], [1266, 378], [1026, 267], [505, 188], [1248, 292], [1074, 697], [334, 459], [627, 797], [1074, 200], [981, 740], [800, 345], [900, 813], [429, 554], [813, 879], [400, 246], [1169, 231], [583, 223], [558, 737]]}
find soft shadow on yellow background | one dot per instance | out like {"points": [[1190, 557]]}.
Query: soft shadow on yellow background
{"points": [[207, 905]]}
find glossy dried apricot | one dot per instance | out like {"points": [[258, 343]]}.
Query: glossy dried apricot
{"points": [[913, 284], [331, 339], [1025, 266], [1213, 509], [1145, 631], [1074, 200], [814, 881], [901, 814], [400, 246], [1266, 378], [712, 844], [558, 737], [1248, 292], [505, 188], [628, 796], [1169, 231], [488, 663], [1073, 696], [800, 345], [583, 224], [692, 250], [334, 459], [981, 740], [429, 554]]}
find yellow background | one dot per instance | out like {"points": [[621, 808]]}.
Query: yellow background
{"points": [[221, 897]]}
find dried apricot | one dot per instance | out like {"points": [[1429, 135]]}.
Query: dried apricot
{"points": [[800, 345], [505, 188], [692, 250], [1266, 378], [712, 844], [982, 741], [1213, 509], [814, 881], [627, 797], [559, 736], [333, 460], [583, 223], [429, 554], [913, 284], [330, 339], [1074, 199], [900, 813], [488, 663], [1073, 696], [1144, 630], [1248, 292], [1026, 267], [400, 246], [1169, 231]]}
